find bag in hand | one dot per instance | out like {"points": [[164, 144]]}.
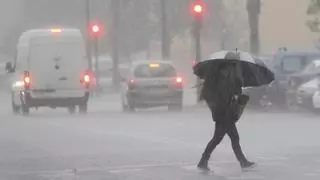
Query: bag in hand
{"points": [[237, 106]]}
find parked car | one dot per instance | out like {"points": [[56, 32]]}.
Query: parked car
{"points": [[284, 64], [308, 95], [296, 80], [105, 67]]}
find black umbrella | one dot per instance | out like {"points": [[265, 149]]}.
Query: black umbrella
{"points": [[255, 72]]}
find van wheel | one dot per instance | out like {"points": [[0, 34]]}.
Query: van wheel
{"points": [[125, 108], [15, 108], [72, 109], [83, 108], [25, 110]]}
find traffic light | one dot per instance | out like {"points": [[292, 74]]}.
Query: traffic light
{"points": [[198, 8], [95, 30]]}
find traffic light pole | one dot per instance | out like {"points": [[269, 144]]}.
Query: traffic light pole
{"points": [[197, 38], [89, 45], [96, 65], [253, 8], [115, 43], [165, 46]]}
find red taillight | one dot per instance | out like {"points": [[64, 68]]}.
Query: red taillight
{"points": [[131, 83], [178, 79], [26, 79], [178, 82], [87, 78]]}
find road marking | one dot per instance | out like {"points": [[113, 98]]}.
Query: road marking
{"points": [[190, 168], [125, 170], [247, 177]]}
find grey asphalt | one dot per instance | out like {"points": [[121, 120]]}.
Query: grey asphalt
{"points": [[152, 145]]}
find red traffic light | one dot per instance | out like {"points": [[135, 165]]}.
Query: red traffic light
{"points": [[198, 8], [95, 28]]}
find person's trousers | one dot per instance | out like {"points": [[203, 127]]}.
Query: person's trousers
{"points": [[220, 130], [224, 126]]}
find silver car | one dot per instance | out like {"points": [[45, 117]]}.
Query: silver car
{"points": [[152, 84]]}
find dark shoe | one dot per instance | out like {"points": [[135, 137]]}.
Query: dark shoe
{"points": [[203, 164], [247, 164], [203, 167]]}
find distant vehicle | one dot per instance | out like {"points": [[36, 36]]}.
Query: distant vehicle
{"points": [[50, 69], [297, 79], [308, 95], [106, 71], [152, 84], [284, 64], [309, 72]]}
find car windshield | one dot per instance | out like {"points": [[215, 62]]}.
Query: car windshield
{"points": [[154, 71], [291, 64]]}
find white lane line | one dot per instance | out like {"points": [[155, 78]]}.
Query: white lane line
{"points": [[246, 177], [190, 168], [124, 170]]}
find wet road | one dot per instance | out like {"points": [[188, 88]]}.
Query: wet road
{"points": [[153, 145]]}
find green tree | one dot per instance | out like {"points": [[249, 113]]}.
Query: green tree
{"points": [[313, 12]]}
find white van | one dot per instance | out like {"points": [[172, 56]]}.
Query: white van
{"points": [[50, 70]]}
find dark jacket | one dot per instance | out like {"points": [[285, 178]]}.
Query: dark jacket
{"points": [[218, 92]]}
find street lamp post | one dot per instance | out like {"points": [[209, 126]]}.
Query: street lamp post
{"points": [[88, 19], [116, 4], [197, 9], [253, 8], [96, 34], [165, 46]]}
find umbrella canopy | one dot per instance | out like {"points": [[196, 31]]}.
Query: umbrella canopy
{"points": [[254, 72]]}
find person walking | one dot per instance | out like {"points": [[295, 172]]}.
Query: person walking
{"points": [[220, 89]]}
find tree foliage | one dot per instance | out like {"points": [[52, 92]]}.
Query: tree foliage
{"points": [[314, 12]]}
